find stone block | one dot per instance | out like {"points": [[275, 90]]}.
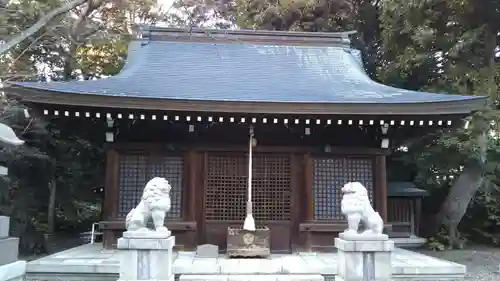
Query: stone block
{"points": [[4, 226], [146, 243], [146, 234], [252, 277], [364, 245], [13, 271], [186, 277], [207, 251], [9, 247], [203, 266], [172, 278], [363, 236], [146, 258], [300, 277], [363, 259], [257, 266]]}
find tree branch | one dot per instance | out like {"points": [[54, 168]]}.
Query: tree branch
{"points": [[39, 24]]}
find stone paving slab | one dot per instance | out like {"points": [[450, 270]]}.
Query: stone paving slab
{"points": [[91, 259], [282, 277]]}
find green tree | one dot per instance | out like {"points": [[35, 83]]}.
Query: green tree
{"points": [[443, 46], [449, 46], [87, 42], [290, 15]]}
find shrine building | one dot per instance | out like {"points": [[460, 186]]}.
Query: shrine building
{"points": [[182, 107]]}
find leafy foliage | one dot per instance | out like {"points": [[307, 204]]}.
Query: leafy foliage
{"points": [[450, 46], [87, 43], [439, 46]]}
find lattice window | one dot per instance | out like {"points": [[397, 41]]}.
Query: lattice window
{"points": [[226, 187], [170, 168], [137, 170], [329, 175], [133, 177], [328, 179]]}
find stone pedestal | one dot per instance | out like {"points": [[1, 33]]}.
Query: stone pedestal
{"points": [[146, 256], [364, 257], [9, 246], [10, 268]]}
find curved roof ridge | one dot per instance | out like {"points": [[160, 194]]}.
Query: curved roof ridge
{"points": [[241, 35]]}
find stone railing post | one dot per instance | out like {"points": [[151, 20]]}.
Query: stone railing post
{"points": [[364, 257], [10, 268], [146, 256]]}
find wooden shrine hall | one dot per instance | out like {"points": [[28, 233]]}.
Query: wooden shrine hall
{"points": [[182, 106]]}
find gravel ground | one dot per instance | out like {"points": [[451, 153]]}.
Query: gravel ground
{"points": [[482, 262]]}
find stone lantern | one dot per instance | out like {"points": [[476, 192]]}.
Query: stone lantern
{"points": [[8, 138], [10, 267]]}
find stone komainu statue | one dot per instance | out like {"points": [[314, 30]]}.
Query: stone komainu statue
{"points": [[154, 204], [356, 207]]}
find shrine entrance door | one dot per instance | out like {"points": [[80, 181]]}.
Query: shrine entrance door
{"points": [[225, 195]]}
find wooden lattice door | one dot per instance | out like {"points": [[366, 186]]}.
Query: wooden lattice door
{"points": [[225, 195], [329, 175], [135, 170]]}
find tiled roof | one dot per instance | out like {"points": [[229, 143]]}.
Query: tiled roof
{"points": [[229, 71]]}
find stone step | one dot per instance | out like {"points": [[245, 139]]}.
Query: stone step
{"points": [[253, 277]]}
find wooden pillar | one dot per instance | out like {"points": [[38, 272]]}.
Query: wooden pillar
{"points": [[111, 194], [111, 188], [381, 186], [190, 203], [308, 187], [308, 197], [189, 197], [296, 203]]}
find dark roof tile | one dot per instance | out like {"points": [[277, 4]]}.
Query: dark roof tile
{"points": [[228, 71]]}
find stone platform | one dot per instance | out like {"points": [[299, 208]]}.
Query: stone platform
{"points": [[90, 262]]}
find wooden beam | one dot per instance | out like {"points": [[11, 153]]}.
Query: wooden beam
{"points": [[159, 147], [381, 186], [171, 224]]}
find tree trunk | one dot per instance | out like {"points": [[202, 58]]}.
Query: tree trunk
{"points": [[39, 24], [461, 193], [51, 217]]}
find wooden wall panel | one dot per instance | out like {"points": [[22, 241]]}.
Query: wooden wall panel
{"points": [[287, 193]]}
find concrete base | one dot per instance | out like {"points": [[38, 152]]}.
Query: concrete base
{"points": [[146, 258], [9, 248], [4, 226], [297, 277], [364, 258], [409, 242], [13, 272], [91, 262], [172, 278]]}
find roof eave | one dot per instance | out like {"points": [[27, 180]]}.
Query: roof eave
{"points": [[456, 107]]}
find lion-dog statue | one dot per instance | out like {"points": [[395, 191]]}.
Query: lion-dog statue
{"points": [[356, 207], [154, 204]]}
